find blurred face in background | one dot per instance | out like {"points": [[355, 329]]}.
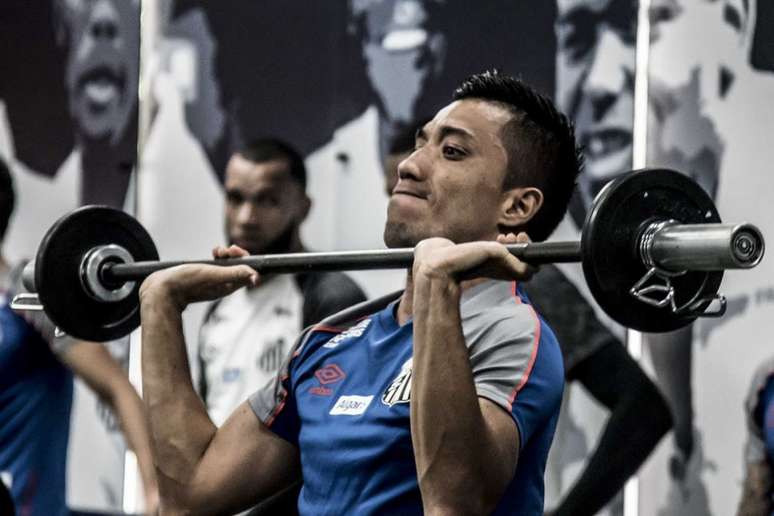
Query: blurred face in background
{"points": [[401, 50], [264, 207], [102, 38], [695, 47], [595, 83]]}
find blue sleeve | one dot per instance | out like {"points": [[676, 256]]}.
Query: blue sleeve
{"points": [[275, 404], [766, 416], [537, 402], [284, 420]]}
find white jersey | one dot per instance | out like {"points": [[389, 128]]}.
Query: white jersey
{"points": [[244, 341]]}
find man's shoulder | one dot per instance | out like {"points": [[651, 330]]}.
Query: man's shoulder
{"points": [[327, 293], [331, 281]]}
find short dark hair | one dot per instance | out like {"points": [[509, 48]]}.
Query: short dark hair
{"points": [[7, 197], [262, 150], [540, 141]]}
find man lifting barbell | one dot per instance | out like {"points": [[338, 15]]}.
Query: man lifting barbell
{"points": [[482, 371]]}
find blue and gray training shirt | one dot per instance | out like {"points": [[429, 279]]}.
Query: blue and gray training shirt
{"points": [[343, 400]]}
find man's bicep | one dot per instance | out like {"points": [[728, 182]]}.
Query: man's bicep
{"points": [[505, 438], [244, 464]]}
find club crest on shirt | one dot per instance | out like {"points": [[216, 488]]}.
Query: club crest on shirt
{"points": [[355, 331], [399, 391]]}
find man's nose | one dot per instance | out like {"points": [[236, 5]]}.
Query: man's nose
{"points": [[103, 21], [413, 166], [611, 73], [248, 214]]}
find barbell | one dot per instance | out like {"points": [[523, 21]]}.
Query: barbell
{"points": [[653, 252]]}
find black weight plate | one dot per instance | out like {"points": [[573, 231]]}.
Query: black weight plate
{"points": [[57, 272], [611, 262]]}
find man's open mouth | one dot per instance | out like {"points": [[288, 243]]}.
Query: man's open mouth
{"points": [[101, 85], [600, 144]]}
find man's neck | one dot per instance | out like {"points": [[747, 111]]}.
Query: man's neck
{"points": [[406, 305]]}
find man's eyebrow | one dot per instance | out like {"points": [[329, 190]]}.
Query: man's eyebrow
{"points": [[444, 131], [450, 130]]}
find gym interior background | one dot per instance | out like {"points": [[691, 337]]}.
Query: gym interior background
{"points": [[325, 76]]}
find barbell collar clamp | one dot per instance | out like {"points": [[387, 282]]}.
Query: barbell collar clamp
{"points": [[26, 301], [93, 266]]}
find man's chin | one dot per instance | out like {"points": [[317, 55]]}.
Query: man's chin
{"points": [[397, 234]]}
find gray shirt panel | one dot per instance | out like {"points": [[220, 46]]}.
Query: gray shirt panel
{"points": [[502, 336]]}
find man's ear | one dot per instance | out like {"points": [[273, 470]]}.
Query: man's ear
{"points": [[303, 209], [519, 205]]}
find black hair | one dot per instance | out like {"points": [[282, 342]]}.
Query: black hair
{"points": [[540, 140], [262, 150], [7, 197]]}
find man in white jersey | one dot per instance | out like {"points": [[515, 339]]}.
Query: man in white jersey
{"points": [[246, 336]]}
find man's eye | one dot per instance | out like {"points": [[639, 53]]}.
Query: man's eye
{"points": [[267, 201], [579, 41], [233, 198], [453, 152]]}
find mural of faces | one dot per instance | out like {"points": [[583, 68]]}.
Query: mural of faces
{"points": [[102, 40], [595, 83], [402, 51], [687, 78]]}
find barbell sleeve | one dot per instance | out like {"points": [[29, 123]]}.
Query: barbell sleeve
{"points": [[701, 247]]}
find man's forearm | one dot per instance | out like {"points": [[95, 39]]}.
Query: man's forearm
{"points": [[454, 450], [128, 407], [180, 427]]}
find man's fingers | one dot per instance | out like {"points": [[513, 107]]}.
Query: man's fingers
{"points": [[232, 251], [239, 276], [507, 238]]}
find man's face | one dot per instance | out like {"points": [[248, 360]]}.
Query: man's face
{"points": [[595, 83], [401, 53], [688, 75], [264, 205], [102, 64], [451, 185]]}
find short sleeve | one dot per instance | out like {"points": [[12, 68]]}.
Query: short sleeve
{"points": [[517, 364], [274, 404], [755, 447]]}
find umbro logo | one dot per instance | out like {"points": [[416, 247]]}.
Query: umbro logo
{"points": [[327, 374]]}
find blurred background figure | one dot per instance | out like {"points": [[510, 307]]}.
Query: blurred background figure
{"points": [[102, 42], [36, 391]]}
